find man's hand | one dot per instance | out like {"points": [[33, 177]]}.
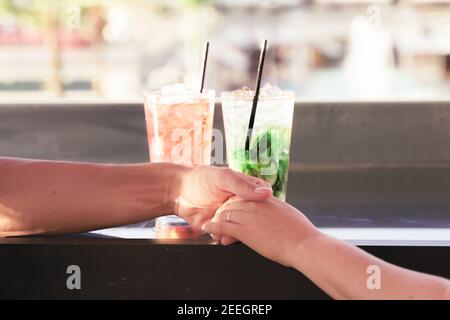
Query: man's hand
{"points": [[39, 196], [203, 189]]}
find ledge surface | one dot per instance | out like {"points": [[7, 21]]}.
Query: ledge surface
{"points": [[35, 267]]}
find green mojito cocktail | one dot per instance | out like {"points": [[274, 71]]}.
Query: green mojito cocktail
{"points": [[268, 154]]}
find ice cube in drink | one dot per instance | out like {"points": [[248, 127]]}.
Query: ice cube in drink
{"points": [[268, 155]]}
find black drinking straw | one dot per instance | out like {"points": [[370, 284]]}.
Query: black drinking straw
{"points": [[205, 60], [255, 98]]}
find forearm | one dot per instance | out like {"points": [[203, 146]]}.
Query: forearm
{"points": [[59, 197], [340, 269]]}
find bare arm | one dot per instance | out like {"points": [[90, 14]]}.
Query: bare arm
{"points": [[281, 233], [59, 197], [347, 272]]}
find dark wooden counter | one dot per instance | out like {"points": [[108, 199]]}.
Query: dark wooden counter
{"points": [[148, 269]]}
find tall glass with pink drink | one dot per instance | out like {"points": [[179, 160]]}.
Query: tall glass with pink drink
{"points": [[179, 130]]}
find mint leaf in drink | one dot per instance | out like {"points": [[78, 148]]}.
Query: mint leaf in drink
{"points": [[267, 158], [280, 184], [251, 169]]}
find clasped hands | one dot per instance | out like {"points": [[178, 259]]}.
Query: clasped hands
{"points": [[205, 192], [233, 206]]}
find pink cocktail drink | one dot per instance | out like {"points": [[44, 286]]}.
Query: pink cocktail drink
{"points": [[179, 125], [179, 130]]}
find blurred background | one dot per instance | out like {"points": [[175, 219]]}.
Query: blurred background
{"points": [[321, 49]]}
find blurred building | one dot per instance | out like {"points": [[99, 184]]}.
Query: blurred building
{"points": [[322, 49]]}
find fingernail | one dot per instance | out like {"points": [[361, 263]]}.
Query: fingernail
{"points": [[204, 227], [262, 189]]}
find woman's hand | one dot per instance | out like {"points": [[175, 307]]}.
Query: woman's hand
{"points": [[281, 233], [273, 228], [203, 189]]}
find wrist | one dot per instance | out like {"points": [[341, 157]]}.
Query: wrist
{"points": [[175, 176], [303, 247], [144, 190]]}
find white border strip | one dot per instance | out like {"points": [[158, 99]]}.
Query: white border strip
{"points": [[127, 233], [392, 236], [357, 236]]}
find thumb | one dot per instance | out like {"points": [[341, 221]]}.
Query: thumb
{"points": [[245, 187]]}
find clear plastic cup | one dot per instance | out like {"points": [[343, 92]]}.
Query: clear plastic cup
{"points": [[268, 156], [179, 130]]}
